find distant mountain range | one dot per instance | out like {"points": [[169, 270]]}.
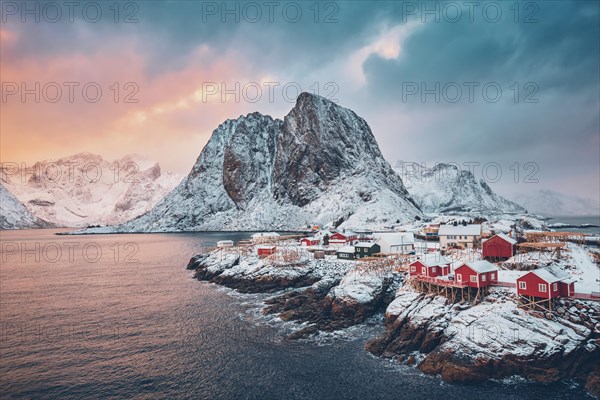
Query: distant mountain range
{"points": [[319, 165], [552, 203], [447, 189], [85, 189]]}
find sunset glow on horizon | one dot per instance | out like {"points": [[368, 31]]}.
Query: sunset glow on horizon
{"points": [[158, 77]]}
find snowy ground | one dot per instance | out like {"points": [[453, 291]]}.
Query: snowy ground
{"points": [[585, 270]]}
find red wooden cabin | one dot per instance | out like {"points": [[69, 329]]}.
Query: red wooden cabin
{"points": [[499, 246], [543, 283], [476, 274], [264, 251], [343, 238], [431, 265], [310, 241]]}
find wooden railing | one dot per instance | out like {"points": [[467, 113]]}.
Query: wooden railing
{"points": [[587, 296], [505, 284], [440, 282]]}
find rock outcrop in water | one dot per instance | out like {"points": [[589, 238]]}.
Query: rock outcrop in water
{"points": [[328, 294]]}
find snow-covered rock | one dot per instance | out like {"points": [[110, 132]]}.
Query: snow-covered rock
{"points": [[85, 189], [320, 165], [493, 339], [447, 189], [14, 215]]}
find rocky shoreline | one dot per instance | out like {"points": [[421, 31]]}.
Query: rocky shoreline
{"points": [[459, 342], [492, 340]]}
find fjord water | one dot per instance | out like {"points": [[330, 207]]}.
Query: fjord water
{"points": [[119, 316]]}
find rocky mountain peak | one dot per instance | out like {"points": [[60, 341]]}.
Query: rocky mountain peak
{"points": [[319, 165]]}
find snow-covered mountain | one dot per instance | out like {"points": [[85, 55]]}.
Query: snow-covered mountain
{"points": [[447, 189], [85, 189], [321, 165], [14, 215], [550, 202]]}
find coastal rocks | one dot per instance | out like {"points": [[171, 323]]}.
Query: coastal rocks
{"points": [[248, 274], [493, 339], [329, 294], [333, 304]]}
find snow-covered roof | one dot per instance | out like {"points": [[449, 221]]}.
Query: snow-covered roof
{"points": [[266, 247], [546, 275], [364, 244], [481, 266], [265, 234], [396, 238], [346, 249], [433, 260], [506, 238], [225, 242], [461, 230]]}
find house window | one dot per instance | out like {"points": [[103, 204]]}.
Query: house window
{"points": [[413, 269], [555, 287], [483, 278], [473, 278], [459, 277], [433, 269], [423, 270], [542, 287], [522, 285], [493, 276]]}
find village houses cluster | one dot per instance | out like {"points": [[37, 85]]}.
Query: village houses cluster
{"points": [[422, 253]]}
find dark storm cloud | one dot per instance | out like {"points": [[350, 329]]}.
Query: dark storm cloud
{"points": [[560, 54]]}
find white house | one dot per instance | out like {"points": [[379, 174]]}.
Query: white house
{"points": [[460, 235], [396, 242], [225, 243]]}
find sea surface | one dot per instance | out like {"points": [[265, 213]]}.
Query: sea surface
{"points": [[586, 224], [119, 317]]}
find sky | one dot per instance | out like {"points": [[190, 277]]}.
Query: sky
{"points": [[509, 90]]}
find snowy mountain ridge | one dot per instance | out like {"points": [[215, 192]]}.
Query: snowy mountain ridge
{"points": [[85, 189], [445, 188]]}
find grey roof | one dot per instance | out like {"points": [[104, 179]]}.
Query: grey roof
{"points": [[546, 275], [481, 266], [346, 249], [506, 238], [433, 260], [365, 244]]}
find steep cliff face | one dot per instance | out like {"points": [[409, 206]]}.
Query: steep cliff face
{"points": [[14, 215], [321, 164], [447, 189]]}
